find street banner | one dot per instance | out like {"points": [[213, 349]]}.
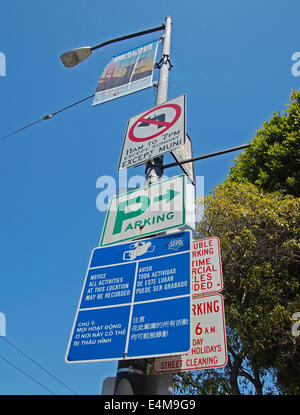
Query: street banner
{"points": [[126, 73]]}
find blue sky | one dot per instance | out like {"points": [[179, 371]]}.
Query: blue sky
{"points": [[233, 61]]}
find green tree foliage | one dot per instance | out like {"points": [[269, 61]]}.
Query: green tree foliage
{"points": [[272, 161], [260, 254], [255, 213]]}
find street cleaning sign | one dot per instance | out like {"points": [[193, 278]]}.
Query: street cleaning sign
{"points": [[144, 211], [154, 132], [209, 350], [135, 301]]}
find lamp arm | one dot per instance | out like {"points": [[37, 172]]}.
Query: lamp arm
{"points": [[118, 39]]}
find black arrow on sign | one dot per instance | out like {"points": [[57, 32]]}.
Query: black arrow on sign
{"points": [[160, 118]]}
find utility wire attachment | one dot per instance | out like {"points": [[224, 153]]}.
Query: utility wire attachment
{"points": [[46, 117]]}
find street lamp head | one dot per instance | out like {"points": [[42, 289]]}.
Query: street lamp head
{"points": [[75, 56]]}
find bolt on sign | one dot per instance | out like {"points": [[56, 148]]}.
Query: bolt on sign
{"points": [[144, 211], [154, 132], [209, 348]]}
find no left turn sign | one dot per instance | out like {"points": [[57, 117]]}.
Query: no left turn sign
{"points": [[154, 132]]}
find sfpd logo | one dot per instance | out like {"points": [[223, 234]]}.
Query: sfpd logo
{"points": [[175, 244]]}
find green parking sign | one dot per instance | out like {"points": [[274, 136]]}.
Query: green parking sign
{"points": [[145, 211]]}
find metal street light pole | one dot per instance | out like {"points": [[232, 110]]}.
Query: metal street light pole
{"points": [[154, 167], [130, 379]]}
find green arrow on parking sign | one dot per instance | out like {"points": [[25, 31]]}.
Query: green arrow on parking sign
{"points": [[169, 195]]}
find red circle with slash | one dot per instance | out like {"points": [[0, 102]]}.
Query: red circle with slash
{"points": [[165, 124]]}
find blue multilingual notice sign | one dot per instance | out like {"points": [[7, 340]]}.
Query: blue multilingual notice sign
{"points": [[135, 301]]}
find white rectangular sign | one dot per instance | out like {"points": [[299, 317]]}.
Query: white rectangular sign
{"points": [[144, 211], [206, 266], [209, 348], [182, 153], [154, 132]]}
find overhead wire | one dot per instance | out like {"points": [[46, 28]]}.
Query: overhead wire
{"points": [[21, 129], [46, 117], [40, 366], [26, 374], [52, 114]]}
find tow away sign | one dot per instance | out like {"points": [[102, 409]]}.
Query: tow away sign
{"points": [[206, 266], [154, 132], [144, 211]]}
